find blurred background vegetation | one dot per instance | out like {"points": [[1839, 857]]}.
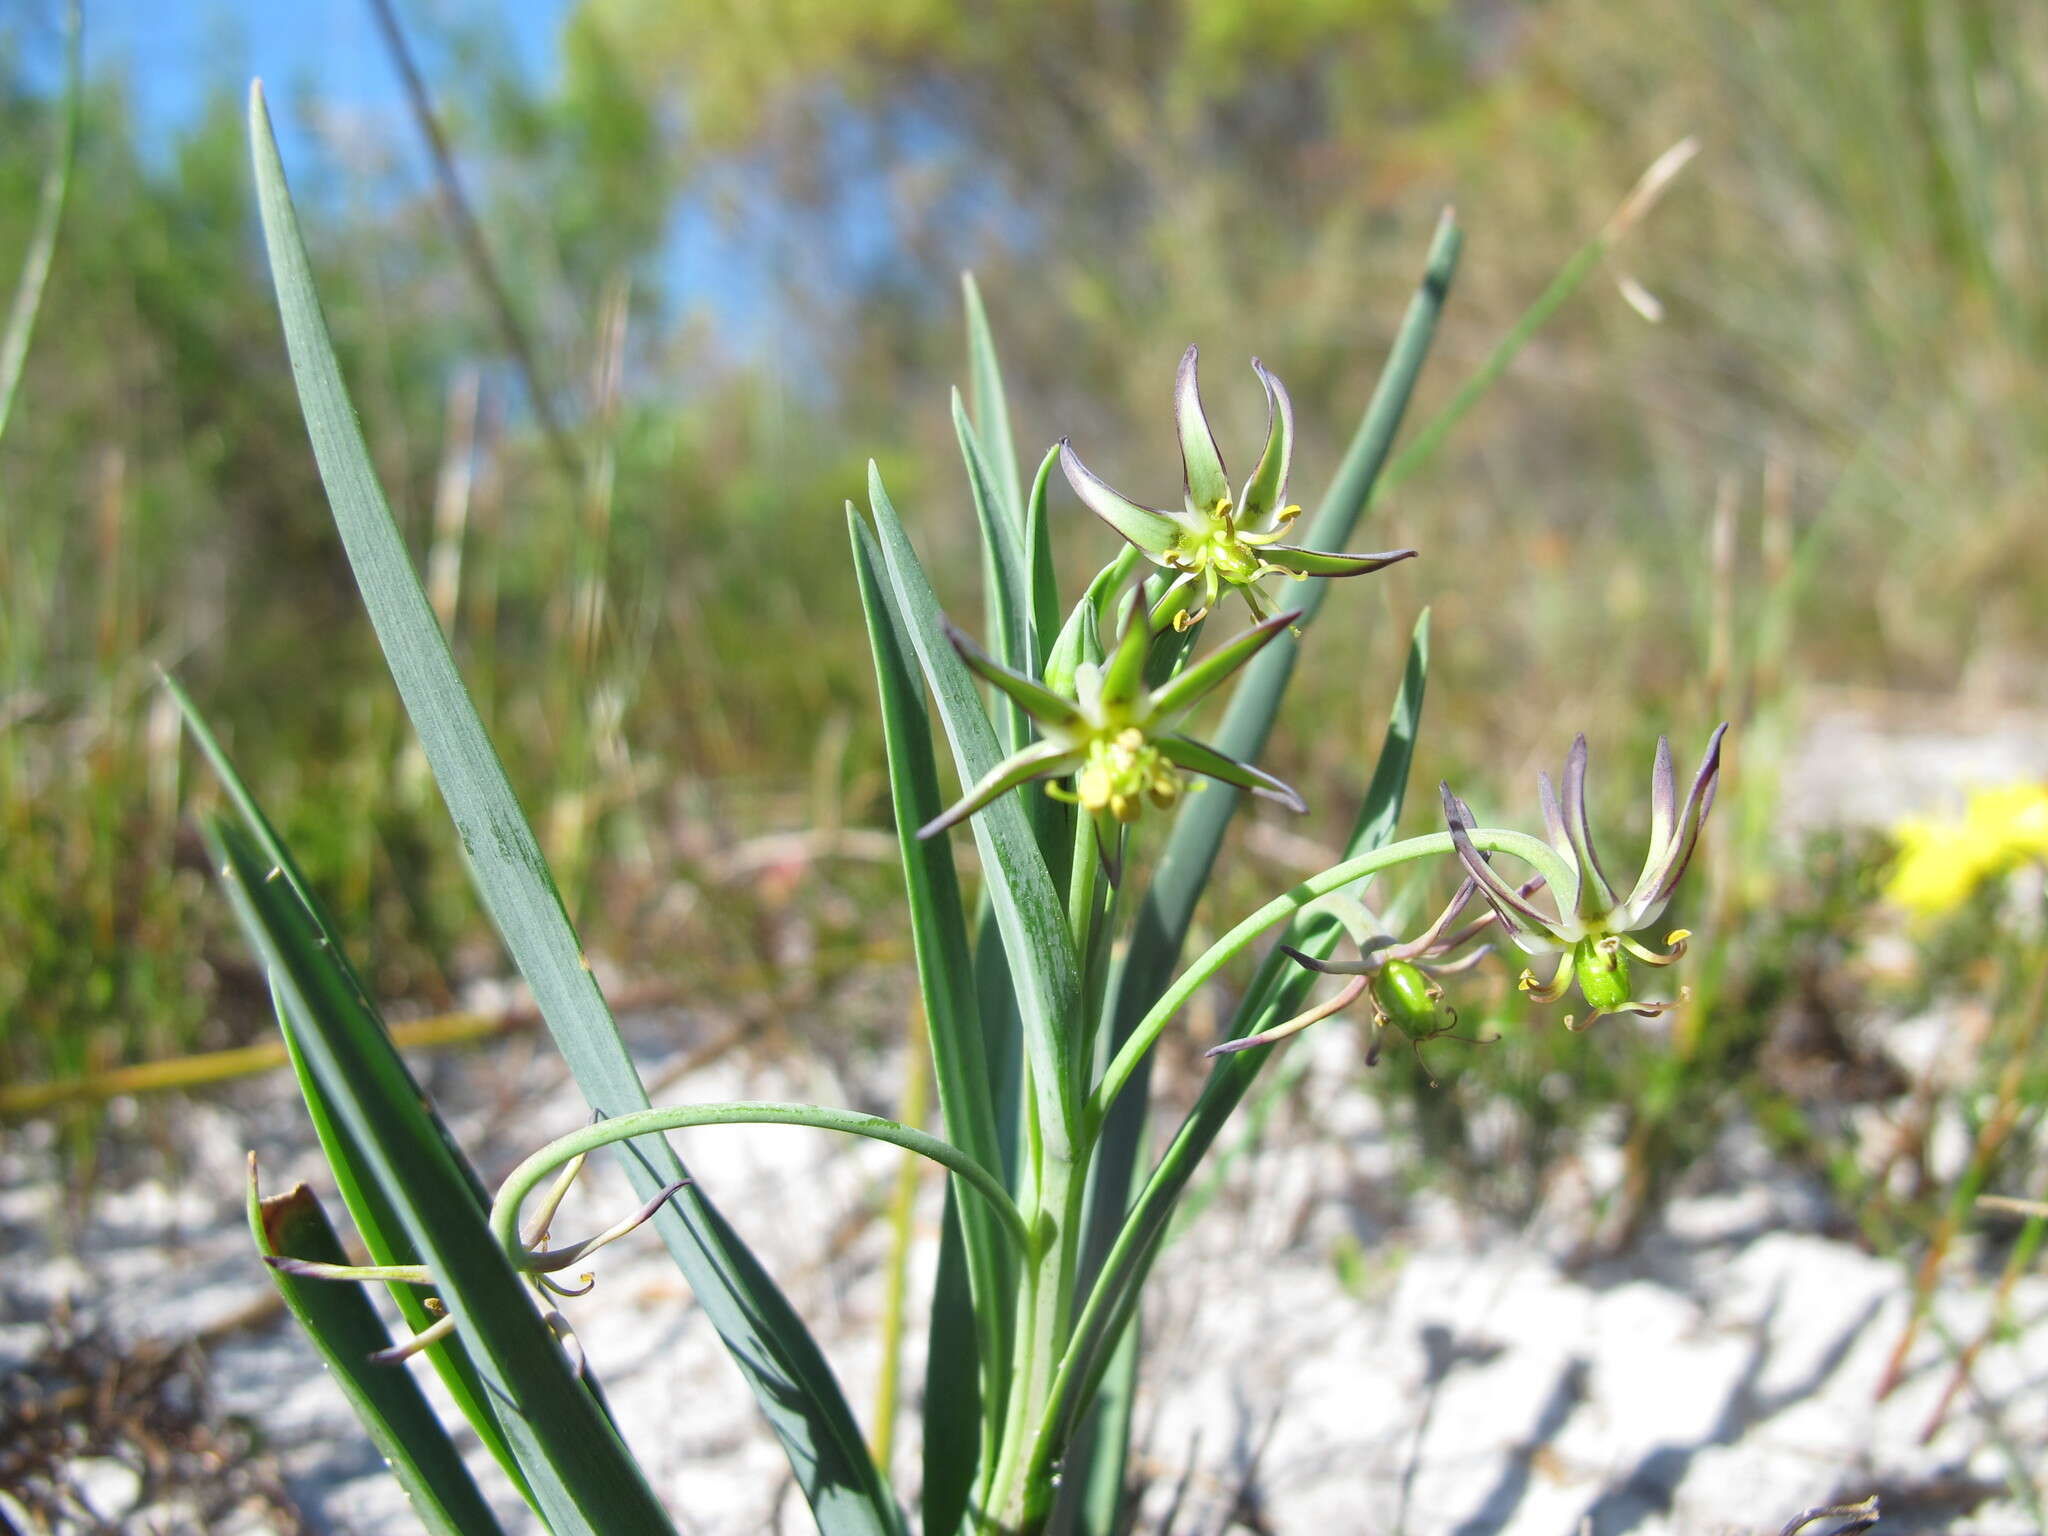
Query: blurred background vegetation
{"points": [[725, 237]]}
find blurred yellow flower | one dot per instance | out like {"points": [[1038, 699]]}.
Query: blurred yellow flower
{"points": [[1942, 862]]}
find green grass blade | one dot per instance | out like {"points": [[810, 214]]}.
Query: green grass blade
{"points": [[787, 1372], [990, 405], [1026, 907], [945, 964], [347, 1331], [582, 1477], [42, 242], [1276, 992]]}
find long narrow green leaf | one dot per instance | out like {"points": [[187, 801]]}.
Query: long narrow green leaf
{"points": [[1091, 1501], [582, 1477], [42, 241], [383, 1233], [955, 1431], [347, 1331], [1025, 905], [258, 825], [945, 970], [375, 1219], [1276, 992], [781, 1361], [991, 406], [1006, 577], [1043, 582]]}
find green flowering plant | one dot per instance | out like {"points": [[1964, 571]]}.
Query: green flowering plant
{"points": [[1591, 929], [1118, 739], [1042, 997], [1216, 541]]}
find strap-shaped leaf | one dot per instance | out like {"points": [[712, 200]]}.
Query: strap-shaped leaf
{"points": [[374, 1216], [957, 1439], [582, 1477], [782, 1363], [990, 405], [1022, 900], [1093, 1498], [1044, 582], [945, 963], [346, 1330], [1006, 575], [383, 1232]]}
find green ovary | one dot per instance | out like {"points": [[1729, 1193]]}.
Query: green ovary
{"points": [[1602, 970], [1407, 999], [1221, 555]]}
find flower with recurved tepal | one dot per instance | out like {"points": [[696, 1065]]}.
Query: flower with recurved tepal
{"points": [[1591, 928], [1217, 541]]}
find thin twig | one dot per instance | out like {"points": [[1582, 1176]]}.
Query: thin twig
{"points": [[42, 245], [469, 236], [1861, 1517]]}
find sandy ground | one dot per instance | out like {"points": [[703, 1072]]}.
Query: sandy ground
{"points": [[1327, 1352], [1717, 1377]]}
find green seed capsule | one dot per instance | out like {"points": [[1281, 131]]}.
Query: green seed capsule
{"points": [[1601, 966], [1407, 999]]}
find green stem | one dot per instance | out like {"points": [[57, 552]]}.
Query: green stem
{"points": [[42, 244], [1518, 845], [1017, 1501], [522, 1181]]}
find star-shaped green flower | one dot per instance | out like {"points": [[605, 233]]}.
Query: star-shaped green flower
{"points": [[1119, 740], [1217, 541], [1591, 926]]}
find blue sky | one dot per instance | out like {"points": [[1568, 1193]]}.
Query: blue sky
{"points": [[174, 54], [174, 51]]}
